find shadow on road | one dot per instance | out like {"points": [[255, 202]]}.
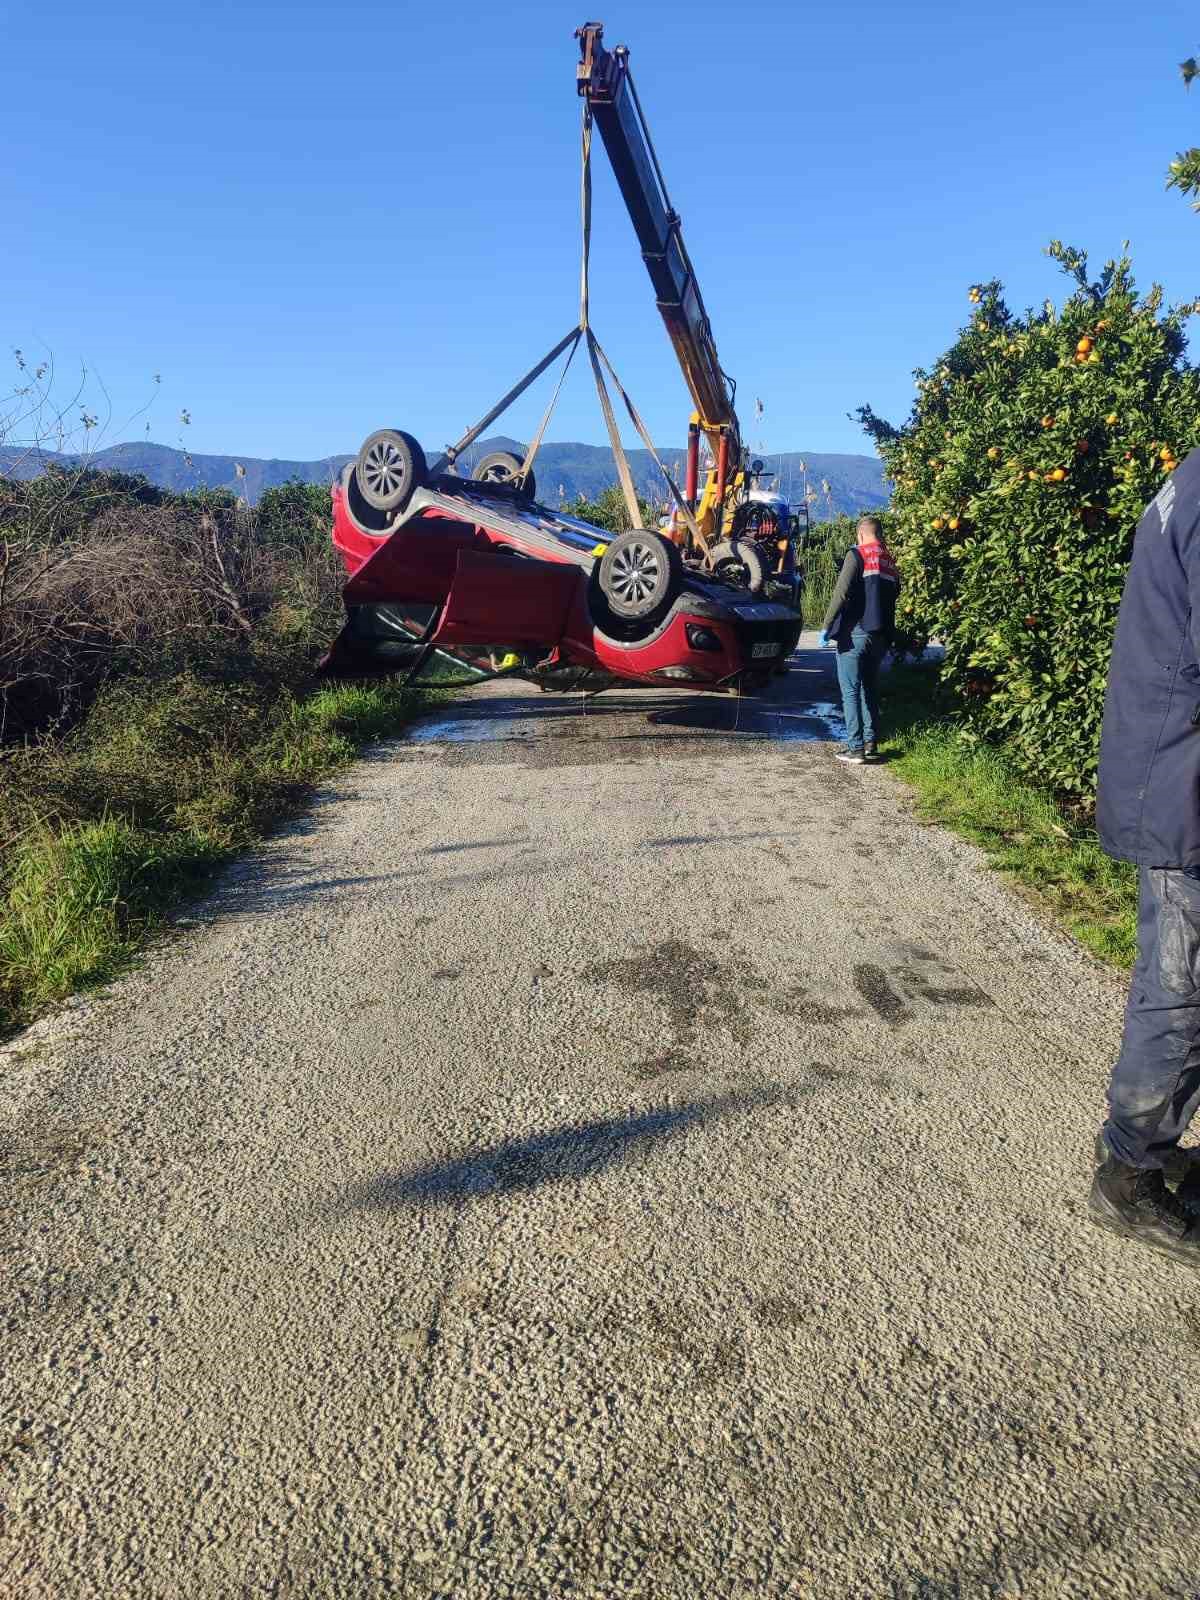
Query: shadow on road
{"points": [[561, 1155]]}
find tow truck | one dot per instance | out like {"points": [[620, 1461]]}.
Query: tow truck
{"points": [[479, 570]]}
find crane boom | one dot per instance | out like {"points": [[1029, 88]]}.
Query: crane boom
{"points": [[604, 80]]}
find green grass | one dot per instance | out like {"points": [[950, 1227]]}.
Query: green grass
{"points": [[103, 832], [972, 789]]}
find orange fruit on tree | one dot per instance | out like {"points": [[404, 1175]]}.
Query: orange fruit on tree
{"points": [[1084, 345], [938, 523], [954, 524], [994, 453], [1111, 418], [1047, 422], [1166, 453], [1033, 476]]}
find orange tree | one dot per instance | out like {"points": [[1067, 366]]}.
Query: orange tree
{"points": [[1031, 451]]}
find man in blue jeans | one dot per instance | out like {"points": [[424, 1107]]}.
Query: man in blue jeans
{"points": [[1145, 1186], [861, 622]]}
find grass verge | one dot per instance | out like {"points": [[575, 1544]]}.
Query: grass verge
{"points": [[972, 789], [103, 832]]}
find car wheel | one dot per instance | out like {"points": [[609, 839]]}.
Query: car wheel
{"points": [[641, 574], [502, 467], [362, 515], [389, 467], [740, 562]]}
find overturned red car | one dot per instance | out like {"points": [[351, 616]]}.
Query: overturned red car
{"points": [[478, 570]]}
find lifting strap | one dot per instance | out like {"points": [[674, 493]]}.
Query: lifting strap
{"points": [[598, 356], [599, 360]]}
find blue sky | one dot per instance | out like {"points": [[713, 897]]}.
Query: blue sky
{"points": [[317, 220]]}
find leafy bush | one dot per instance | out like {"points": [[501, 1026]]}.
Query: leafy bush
{"points": [[609, 510], [158, 694], [1031, 451], [294, 514], [102, 577]]}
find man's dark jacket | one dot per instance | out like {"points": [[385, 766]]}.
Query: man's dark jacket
{"points": [[1148, 805], [865, 594]]}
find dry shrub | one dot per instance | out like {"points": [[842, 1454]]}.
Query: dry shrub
{"points": [[142, 589]]}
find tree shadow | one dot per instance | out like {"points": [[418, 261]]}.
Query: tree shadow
{"points": [[561, 1155]]}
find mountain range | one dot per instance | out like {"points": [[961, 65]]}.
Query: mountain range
{"points": [[856, 483]]}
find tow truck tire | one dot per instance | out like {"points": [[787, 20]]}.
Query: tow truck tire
{"points": [[741, 562], [641, 574], [502, 467], [390, 465]]}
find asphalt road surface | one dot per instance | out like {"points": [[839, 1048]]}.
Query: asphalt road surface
{"points": [[600, 1151]]}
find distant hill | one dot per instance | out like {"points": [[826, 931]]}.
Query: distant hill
{"points": [[563, 471]]}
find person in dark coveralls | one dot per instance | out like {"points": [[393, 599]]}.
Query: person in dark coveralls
{"points": [[861, 622], [1148, 811]]}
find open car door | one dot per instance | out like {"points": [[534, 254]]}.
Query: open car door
{"points": [[506, 599], [448, 592]]}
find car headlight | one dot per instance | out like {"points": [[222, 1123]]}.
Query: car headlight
{"points": [[702, 638]]}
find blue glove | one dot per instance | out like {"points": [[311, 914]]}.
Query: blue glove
{"points": [[824, 642]]}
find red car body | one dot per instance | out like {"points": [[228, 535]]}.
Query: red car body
{"points": [[474, 569]]}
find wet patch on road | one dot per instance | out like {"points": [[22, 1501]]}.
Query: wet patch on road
{"points": [[777, 1312], [818, 723], [44, 1157], [798, 1002], [690, 986], [872, 983], [553, 731]]}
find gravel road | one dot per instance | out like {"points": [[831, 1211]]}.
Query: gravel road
{"points": [[597, 1152]]}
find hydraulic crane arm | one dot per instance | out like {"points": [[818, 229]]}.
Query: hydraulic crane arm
{"points": [[605, 81]]}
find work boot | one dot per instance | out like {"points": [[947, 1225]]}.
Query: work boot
{"points": [[1135, 1203], [851, 753], [870, 751], [1180, 1169]]}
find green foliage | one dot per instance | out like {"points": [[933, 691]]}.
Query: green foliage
{"points": [[294, 513], [610, 512], [1034, 444], [76, 899], [1184, 171], [62, 502], [175, 717], [1184, 174], [103, 830]]}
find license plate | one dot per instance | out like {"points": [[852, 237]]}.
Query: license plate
{"points": [[760, 650]]}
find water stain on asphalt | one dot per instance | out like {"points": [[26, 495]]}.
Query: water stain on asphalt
{"points": [[798, 1003], [872, 983], [817, 723], [657, 1066], [54, 1153], [568, 732], [777, 1312], [690, 986], [961, 996]]}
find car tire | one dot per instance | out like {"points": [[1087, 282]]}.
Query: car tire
{"points": [[502, 467], [389, 466], [363, 516], [641, 574], [738, 561]]}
